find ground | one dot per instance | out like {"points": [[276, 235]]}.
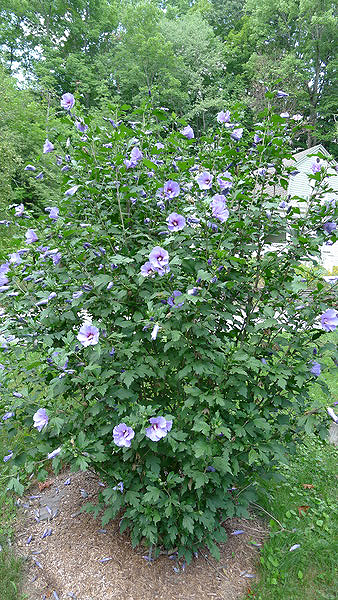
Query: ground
{"points": [[66, 564]]}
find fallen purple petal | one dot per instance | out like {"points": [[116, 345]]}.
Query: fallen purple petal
{"points": [[67, 482], [38, 564], [104, 560], [29, 539], [294, 547], [238, 532]]}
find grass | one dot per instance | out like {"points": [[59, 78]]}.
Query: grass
{"points": [[10, 565], [304, 504]]}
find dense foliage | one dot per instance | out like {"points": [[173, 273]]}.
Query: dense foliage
{"points": [[173, 348]]}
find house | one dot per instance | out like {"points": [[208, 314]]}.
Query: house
{"points": [[300, 186]]}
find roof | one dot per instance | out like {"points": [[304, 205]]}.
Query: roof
{"points": [[300, 156]]}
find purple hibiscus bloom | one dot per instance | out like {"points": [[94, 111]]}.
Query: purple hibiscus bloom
{"points": [[40, 176], [297, 117], [205, 180], [40, 419], [8, 457], [329, 319], [122, 434], [281, 94], [237, 134], [261, 171], [147, 270], [54, 453], [3, 280], [81, 126], [15, 258], [158, 429], [330, 226], [171, 189], [88, 335], [136, 155], [285, 115], [257, 138], [158, 257], [316, 166], [176, 222], [4, 268], [219, 208], [19, 210], [71, 191], [31, 236], [172, 299], [223, 117], [48, 147], [29, 168], [67, 101], [54, 213], [188, 132], [225, 180], [56, 258], [316, 368], [7, 415], [159, 145]]}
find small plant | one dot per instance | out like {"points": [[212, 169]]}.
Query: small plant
{"points": [[173, 353]]}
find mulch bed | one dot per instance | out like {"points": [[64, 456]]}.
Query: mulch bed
{"points": [[65, 563]]}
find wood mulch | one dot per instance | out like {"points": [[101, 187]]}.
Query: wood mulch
{"points": [[65, 563]]}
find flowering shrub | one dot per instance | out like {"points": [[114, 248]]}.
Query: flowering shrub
{"points": [[172, 350]]}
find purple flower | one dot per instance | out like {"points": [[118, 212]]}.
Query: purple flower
{"points": [[332, 414], [171, 299], [330, 226], [223, 181], [188, 132], [19, 210], [261, 171], [48, 147], [88, 335], [122, 435], [110, 285], [54, 453], [159, 428], [218, 207], [316, 166], [72, 190], [7, 415], [297, 117], [40, 176], [223, 117], [56, 258], [15, 258], [67, 101], [205, 180], [118, 487], [8, 457], [329, 319], [159, 145], [80, 126], [147, 270], [236, 134], [171, 189], [54, 213], [4, 268], [31, 236], [285, 115], [257, 138], [65, 168], [158, 257], [29, 168], [155, 332], [281, 94], [40, 419], [175, 222], [316, 368]]}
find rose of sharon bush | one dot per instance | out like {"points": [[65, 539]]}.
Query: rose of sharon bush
{"points": [[195, 378]]}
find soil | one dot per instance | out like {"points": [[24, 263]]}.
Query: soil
{"points": [[65, 563]]}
